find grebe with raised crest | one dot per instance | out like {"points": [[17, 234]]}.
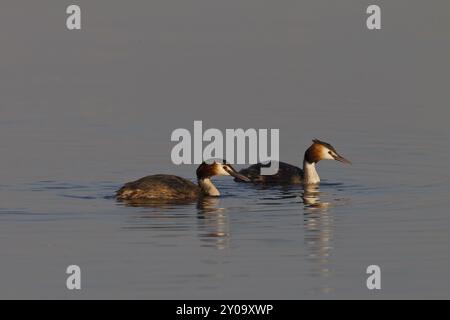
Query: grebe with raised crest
{"points": [[289, 174]]}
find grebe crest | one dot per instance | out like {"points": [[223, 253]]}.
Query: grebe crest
{"points": [[212, 168]]}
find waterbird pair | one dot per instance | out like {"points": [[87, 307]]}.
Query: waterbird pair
{"points": [[163, 187]]}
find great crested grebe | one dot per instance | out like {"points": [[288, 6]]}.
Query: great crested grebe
{"points": [[163, 187], [289, 174]]}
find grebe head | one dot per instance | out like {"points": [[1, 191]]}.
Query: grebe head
{"points": [[209, 169], [320, 150]]}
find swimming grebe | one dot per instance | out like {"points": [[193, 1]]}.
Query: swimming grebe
{"points": [[289, 174], [169, 187]]}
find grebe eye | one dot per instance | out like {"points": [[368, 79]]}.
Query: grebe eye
{"points": [[329, 152]]}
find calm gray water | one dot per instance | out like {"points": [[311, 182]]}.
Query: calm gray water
{"points": [[82, 112]]}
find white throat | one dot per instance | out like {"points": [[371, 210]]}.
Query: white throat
{"points": [[310, 175], [208, 188]]}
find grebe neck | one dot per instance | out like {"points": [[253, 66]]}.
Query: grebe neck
{"points": [[208, 188], [310, 175]]}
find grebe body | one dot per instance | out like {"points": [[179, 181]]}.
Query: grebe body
{"points": [[287, 173]]}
